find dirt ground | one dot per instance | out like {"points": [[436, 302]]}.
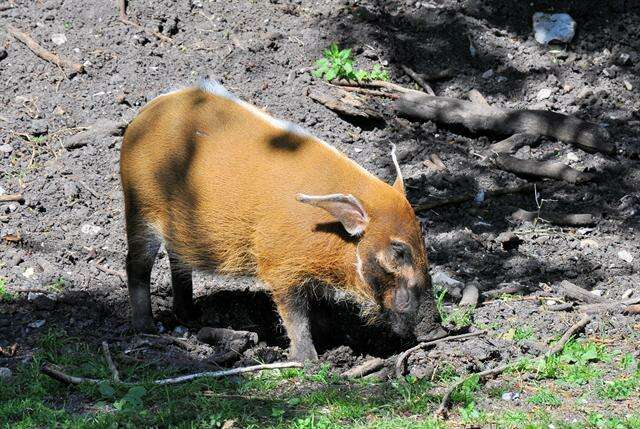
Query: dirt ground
{"points": [[71, 226]]}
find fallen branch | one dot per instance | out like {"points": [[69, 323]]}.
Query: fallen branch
{"points": [[402, 357], [367, 91], [541, 169], [476, 117], [344, 103], [470, 197], [419, 80], [557, 347], [43, 53], [582, 219], [112, 366], [11, 198], [378, 84], [364, 368], [69, 379], [572, 291], [611, 307], [512, 144]]}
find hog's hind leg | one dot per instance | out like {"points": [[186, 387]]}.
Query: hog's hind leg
{"points": [[182, 286], [143, 247]]}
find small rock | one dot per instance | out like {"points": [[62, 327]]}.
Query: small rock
{"points": [[180, 331], [38, 127], [623, 59], [573, 157], [628, 293], [370, 53], [558, 27], [29, 272], [37, 324], [567, 88], [598, 292], [59, 39], [625, 256], [628, 85], [588, 242], [487, 74], [6, 148], [551, 302], [90, 229], [544, 93], [5, 374], [510, 396], [443, 278]]}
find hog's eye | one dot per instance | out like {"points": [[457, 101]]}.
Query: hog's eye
{"points": [[401, 252]]}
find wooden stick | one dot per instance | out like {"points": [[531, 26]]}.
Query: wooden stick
{"points": [[419, 80], [69, 379], [367, 91], [581, 219], [106, 270], [541, 169], [124, 18], [11, 198], [510, 289], [42, 52], [469, 197], [112, 366], [477, 117], [345, 103], [512, 144], [364, 368], [402, 357], [560, 307], [378, 84], [575, 292], [446, 399]]}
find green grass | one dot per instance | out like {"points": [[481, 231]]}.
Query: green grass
{"points": [[338, 63], [288, 398], [5, 295]]}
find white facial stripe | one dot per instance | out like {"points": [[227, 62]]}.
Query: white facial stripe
{"points": [[359, 265]]}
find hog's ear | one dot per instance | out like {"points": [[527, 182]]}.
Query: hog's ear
{"points": [[346, 209], [399, 182]]}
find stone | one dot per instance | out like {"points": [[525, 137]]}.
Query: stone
{"points": [[544, 93], [59, 39], [554, 27]]}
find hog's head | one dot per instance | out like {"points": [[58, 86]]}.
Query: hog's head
{"points": [[391, 259]]}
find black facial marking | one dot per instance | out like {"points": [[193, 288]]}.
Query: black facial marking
{"points": [[402, 252]]}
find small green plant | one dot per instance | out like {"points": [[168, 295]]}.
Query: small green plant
{"points": [[4, 294], [339, 64], [628, 362], [458, 318], [619, 389], [58, 285], [522, 333], [470, 414], [545, 397], [67, 25], [131, 402], [464, 393]]}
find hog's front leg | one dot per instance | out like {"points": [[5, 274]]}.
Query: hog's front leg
{"points": [[294, 311]]}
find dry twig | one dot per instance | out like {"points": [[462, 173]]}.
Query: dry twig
{"points": [[11, 198], [112, 366], [43, 53], [469, 197], [124, 18], [69, 379], [419, 80], [543, 169], [364, 368]]}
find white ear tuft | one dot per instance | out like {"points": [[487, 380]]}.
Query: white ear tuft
{"points": [[399, 182], [346, 209]]}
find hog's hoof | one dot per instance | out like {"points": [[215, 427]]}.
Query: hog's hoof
{"points": [[144, 326], [308, 354]]}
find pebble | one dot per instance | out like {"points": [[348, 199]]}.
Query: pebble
{"points": [[628, 293], [623, 59], [5, 374], [37, 324], [544, 93], [553, 27], [59, 39], [90, 229], [625, 256], [510, 396], [628, 85], [573, 157], [6, 148], [598, 292], [29, 272], [487, 74]]}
